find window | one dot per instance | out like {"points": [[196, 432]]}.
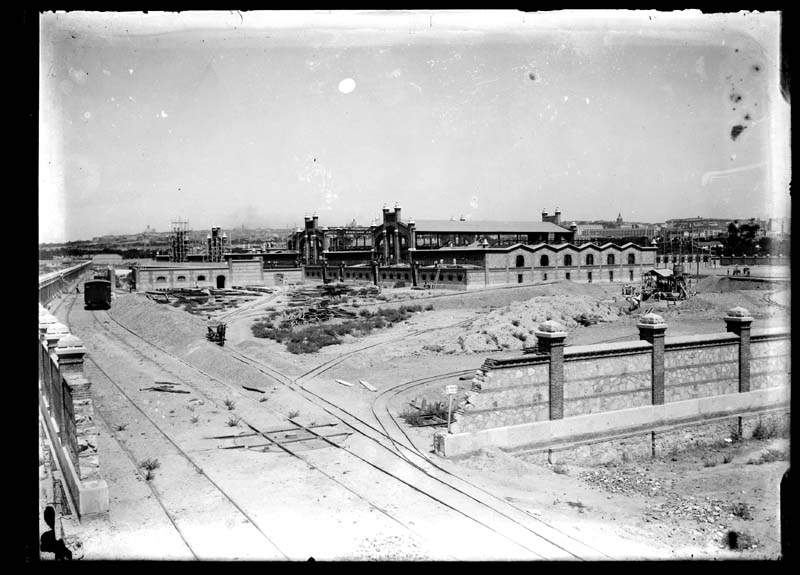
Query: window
{"points": [[458, 278], [347, 274], [423, 277], [631, 259], [589, 276], [590, 260], [631, 274], [360, 274], [610, 276], [391, 276], [520, 261], [181, 278], [201, 278], [545, 277], [544, 261], [567, 276], [383, 276], [449, 277], [610, 259], [405, 276], [567, 260], [161, 279], [519, 278]]}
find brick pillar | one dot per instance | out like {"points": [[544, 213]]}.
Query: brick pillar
{"points": [[396, 246], [652, 328], [306, 248], [324, 271], [414, 272], [550, 339], [738, 321], [385, 237]]}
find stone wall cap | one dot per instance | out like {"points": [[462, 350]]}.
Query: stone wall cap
{"points": [[651, 319], [69, 341], [47, 319], [551, 326], [57, 328], [738, 311]]}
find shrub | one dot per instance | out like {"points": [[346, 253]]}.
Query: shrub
{"points": [[763, 431], [741, 510], [709, 463], [150, 464], [230, 404], [194, 419], [769, 456], [429, 307], [735, 433], [293, 414], [233, 421], [435, 347], [121, 427], [727, 458], [560, 469], [515, 322]]}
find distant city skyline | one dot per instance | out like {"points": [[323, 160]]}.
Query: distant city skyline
{"points": [[256, 119]]}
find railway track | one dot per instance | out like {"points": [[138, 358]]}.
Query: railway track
{"points": [[266, 435], [376, 436], [770, 300]]}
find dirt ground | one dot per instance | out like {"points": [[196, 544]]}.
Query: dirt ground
{"points": [[668, 508]]}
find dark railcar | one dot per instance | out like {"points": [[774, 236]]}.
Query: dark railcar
{"points": [[97, 294]]}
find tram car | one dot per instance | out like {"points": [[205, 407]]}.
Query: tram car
{"points": [[97, 294]]}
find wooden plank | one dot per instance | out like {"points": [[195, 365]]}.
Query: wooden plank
{"points": [[165, 389], [367, 385], [311, 438], [344, 382], [253, 389]]}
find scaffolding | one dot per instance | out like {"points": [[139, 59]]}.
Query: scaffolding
{"points": [[179, 241]]}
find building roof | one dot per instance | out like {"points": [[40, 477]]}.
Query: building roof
{"points": [[663, 272], [487, 227]]}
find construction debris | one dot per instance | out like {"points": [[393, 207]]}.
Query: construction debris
{"points": [[253, 389], [344, 382]]}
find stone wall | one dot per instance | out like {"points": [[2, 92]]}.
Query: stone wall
{"points": [[56, 283], [606, 377], [701, 366], [612, 387], [67, 410], [505, 397], [770, 360]]}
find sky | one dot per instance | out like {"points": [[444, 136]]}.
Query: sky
{"points": [[259, 118]]}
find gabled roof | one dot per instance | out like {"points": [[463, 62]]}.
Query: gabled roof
{"points": [[487, 227], [534, 247]]}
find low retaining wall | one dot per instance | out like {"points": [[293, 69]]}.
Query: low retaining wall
{"points": [[54, 284], [65, 403], [562, 396]]}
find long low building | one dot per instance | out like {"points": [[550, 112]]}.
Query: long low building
{"points": [[233, 273], [465, 268]]}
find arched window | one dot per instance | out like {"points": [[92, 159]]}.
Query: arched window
{"points": [[631, 259], [610, 259], [590, 260], [568, 260], [181, 278], [201, 278], [544, 261], [520, 261], [161, 279]]}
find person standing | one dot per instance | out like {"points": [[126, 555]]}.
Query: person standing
{"points": [[48, 542]]}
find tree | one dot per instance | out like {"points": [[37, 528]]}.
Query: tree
{"points": [[741, 238]]}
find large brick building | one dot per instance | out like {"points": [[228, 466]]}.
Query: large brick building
{"points": [[461, 254]]}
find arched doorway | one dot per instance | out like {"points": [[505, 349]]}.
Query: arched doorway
{"points": [[220, 282]]}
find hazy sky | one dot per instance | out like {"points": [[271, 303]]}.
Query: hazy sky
{"points": [[259, 118]]}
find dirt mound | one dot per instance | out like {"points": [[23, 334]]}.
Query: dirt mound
{"points": [[512, 327]]}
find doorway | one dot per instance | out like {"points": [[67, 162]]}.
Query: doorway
{"points": [[220, 282]]}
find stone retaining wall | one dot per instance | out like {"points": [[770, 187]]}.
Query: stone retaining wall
{"points": [[67, 410]]}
